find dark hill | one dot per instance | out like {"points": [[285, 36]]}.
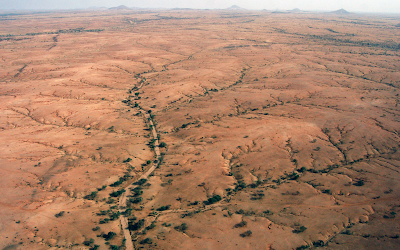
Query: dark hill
{"points": [[235, 7], [340, 12]]}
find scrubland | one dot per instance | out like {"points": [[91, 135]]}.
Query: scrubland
{"points": [[276, 130]]}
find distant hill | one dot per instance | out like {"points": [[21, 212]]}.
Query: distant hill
{"points": [[340, 12], [121, 7], [235, 7], [295, 10]]}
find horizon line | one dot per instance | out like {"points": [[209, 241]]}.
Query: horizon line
{"points": [[103, 8]]}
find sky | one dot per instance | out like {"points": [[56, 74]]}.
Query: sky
{"points": [[388, 6]]}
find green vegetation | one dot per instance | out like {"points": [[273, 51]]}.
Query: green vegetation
{"points": [[301, 170], [257, 196], [59, 214], [293, 176], [359, 183], [109, 235], [141, 182], [136, 226], [268, 212], [181, 228], [303, 247], [127, 212], [299, 229], [88, 242], [137, 191], [127, 160], [64, 31], [213, 199], [319, 243], [136, 200], [146, 241], [347, 231], [163, 208], [241, 224], [246, 234], [239, 186], [95, 247], [121, 180], [114, 215], [152, 225], [91, 196], [104, 221], [117, 193]]}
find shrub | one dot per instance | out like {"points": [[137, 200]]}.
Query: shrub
{"points": [[301, 170], [117, 193], [163, 145], [299, 230], [146, 241], [152, 225], [240, 211], [293, 176], [163, 208], [246, 234], [141, 182], [137, 191], [318, 243], [214, 199], [88, 242], [91, 196], [181, 228], [106, 220], [114, 216], [109, 235], [136, 200], [59, 214], [128, 212], [240, 185], [347, 231], [268, 212], [127, 160], [136, 226], [327, 191], [302, 247], [241, 224], [359, 183]]}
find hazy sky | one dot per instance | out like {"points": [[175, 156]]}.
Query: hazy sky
{"points": [[392, 6]]}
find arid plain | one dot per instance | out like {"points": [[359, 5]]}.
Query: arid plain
{"points": [[276, 130]]}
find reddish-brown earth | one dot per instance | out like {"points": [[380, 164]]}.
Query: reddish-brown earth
{"points": [[291, 119]]}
